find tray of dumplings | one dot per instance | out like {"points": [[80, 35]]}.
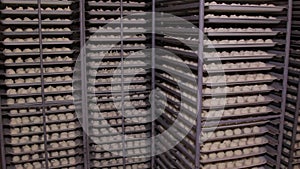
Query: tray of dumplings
{"points": [[31, 31], [119, 146], [117, 105], [240, 32], [30, 82], [36, 41], [116, 64], [109, 38], [108, 29], [33, 2], [133, 163], [118, 89], [242, 8], [233, 155], [226, 80], [103, 12], [118, 122], [229, 91], [234, 144], [37, 130], [233, 113], [241, 19], [111, 132], [63, 138], [110, 3], [237, 67], [109, 98], [32, 91], [251, 162], [35, 21], [117, 80], [234, 133], [237, 55], [229, 102], [117, 72], [118, 138], [116, 114], [117, 21], [36, 51], [34, 11], [57, 60], [108, 47], [242, 43], [21, 72], [30, 101]]}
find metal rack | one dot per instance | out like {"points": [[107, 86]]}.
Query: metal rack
{"points": [[84, 66]]}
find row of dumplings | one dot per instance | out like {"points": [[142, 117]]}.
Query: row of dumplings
{"points": [[115, 53], [209, 16], [132, 120], [234, 100], [232, 132], [92, 46], [116, 63], [238, 163], [36, 129], [50, 137], [117, 71], [36, 39], [47, 109], [38, 70], [28, 100], [35, 9], [137, 151], [50, 79], [36, 50], [238, 78], [38, 164], [38, 119], [116, 130], [36, 19], [118, 88], [234, 143], [249, 29], [116, 80], [38, 59], [114, 138], [127, 113], [113, 146], [111, 105], [236, 112], [32, 90], [66, 29]]}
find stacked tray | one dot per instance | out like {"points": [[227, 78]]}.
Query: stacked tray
{"points": [[119, 119], [37, 94], [290, 152], [235, 36]]}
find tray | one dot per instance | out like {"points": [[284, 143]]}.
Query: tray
{"points": [[115, 22], [268, 67], [243, 9], [37, 33], [37, 53], [38, 74], [241, 34], [239, 83], [35, 12], [38, 63], [116, 48], [37, 84], [116, 31], [242, 21], [237, 136], [229, 58], [32, 2], [125, 4], [233, 157], [117, 13], [38, 43], [116, 39], [36, 22], [256, 45], [269, 100], [238, 93]]}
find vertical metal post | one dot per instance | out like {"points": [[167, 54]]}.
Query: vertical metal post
{"points": [[153, 106], [200, 82], [122, 84], [42, 82], [285, 79], [84, 97], [295, 125]]}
